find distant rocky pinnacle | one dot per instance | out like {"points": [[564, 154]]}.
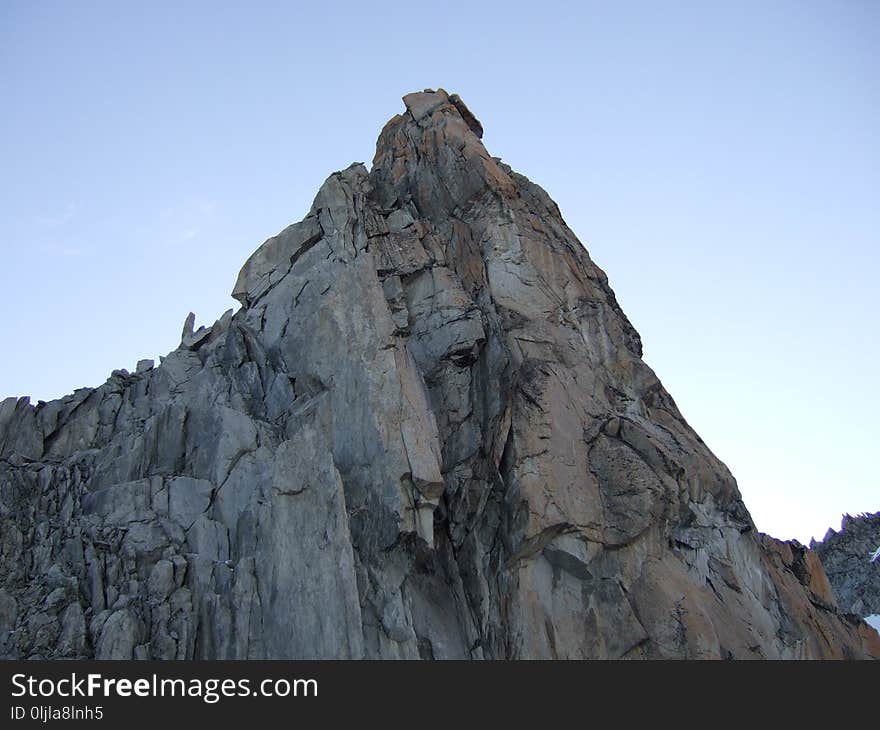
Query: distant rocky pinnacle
{"points": [[427, 432], [851, 559]]}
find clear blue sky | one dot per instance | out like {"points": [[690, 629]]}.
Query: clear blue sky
{"points": [[720, 160]]}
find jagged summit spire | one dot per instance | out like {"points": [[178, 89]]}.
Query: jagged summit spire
{"points": [[433, 156], [421, 104]]}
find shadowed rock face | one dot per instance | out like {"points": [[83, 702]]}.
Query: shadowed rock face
{"points": [[428, 432], [851, 560]]}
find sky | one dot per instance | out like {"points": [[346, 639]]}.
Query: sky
{"points": [[720, 161]]}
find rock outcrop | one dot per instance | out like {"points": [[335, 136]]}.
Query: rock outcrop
{"points": [[427, 432], [851, 558]]}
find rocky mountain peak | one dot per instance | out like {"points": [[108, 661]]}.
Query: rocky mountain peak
{"points": [[427, 433]]}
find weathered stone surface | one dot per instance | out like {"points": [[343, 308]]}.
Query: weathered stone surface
{"points": [[851, 560], [428, 432]]}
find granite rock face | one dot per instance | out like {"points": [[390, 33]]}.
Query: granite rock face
{"points": [[851, 558], [427, 432]]}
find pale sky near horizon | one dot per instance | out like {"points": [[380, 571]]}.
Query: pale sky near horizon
{"points": [[719, 160]]}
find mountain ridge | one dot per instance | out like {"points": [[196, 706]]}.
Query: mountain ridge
{"points": [[851, 559]]}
